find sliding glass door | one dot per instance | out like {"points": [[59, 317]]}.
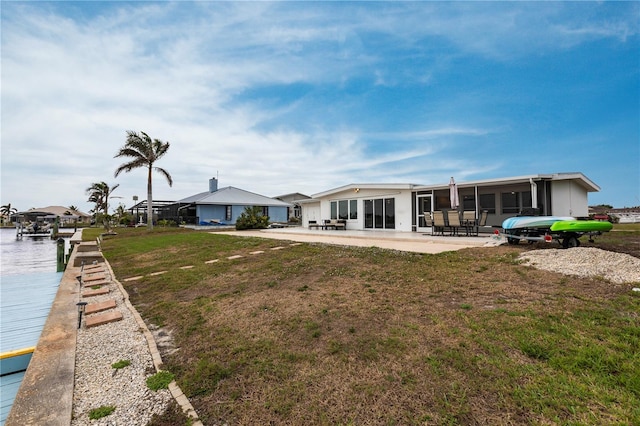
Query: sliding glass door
{"points": [[380, 213], [424, 213]]}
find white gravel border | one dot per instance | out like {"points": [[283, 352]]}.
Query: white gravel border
{"points": [[618, 268], [98, 384]]}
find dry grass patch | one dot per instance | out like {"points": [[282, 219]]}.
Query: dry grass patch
{"points": [[318, 334]]}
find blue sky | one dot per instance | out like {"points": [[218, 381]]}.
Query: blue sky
{"points": [[281, 97]]}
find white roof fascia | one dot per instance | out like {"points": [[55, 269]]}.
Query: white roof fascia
{"points": [[351, 186], [588, 184], [308, 201]]}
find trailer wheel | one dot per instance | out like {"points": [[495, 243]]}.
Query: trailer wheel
{"points": [[570, 242], [514, 241]]}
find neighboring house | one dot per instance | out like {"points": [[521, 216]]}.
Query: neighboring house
{"points": [[162, 210], [626, 215], [225, 205], [49, 215], [295, 212], [403, 207]]}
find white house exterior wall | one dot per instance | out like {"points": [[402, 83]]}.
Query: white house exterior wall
{"points": [[562, 194], [568, 199], [311, 211], [402, 203]]}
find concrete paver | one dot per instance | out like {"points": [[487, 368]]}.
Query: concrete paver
{"points": [[92, 308], [104, 318], [96, 292]]}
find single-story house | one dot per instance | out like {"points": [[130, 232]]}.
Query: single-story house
{"points": [[626, 215], [49, 215], [225, 205], [405, 207]]}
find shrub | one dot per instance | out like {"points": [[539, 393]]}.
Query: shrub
{"points": [[166, 223], [252, 218]]}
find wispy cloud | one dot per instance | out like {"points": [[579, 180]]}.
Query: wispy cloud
{"points": [[277, 96]]}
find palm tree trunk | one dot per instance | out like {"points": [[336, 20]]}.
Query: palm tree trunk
{"points": [[149, 202]]}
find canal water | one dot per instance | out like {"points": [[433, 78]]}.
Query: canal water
{"points": [[28, 286]]}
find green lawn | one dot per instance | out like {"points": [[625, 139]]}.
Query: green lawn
{"points": [[318, 334]]}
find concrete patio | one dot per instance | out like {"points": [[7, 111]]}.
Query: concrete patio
{"points": [[404, 241]]}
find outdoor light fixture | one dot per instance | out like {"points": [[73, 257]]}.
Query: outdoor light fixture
{"points": [[81, 306], [79, 278], [356, 190]]}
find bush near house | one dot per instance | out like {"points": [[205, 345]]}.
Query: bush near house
{"points": [[252, 218]]}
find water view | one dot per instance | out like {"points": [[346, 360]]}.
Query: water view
{"points": [[26, 255], [28, 285]]}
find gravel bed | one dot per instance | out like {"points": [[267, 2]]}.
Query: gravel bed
{"points": [[586, 262], [98, 384]]}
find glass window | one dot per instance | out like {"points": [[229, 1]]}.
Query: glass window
{"points": [[443, 202], [343, 209], [510, 202], [526, 199], [390, 213], [353, 209], [380, 213], [228, 213], [334, 210], [368, 213], [487, 202], [469, 202], [515, 202], [378, 208]]}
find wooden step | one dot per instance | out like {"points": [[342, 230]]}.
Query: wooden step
{"points": [[92, 268], [96, 292], [92, 308], [95, 283], [94, 277], [104, 318]]}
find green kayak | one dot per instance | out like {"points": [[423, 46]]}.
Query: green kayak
{"points": [[581, 226]]}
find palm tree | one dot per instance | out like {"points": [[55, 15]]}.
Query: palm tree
{"points": [[73, 208], [99, 193], [144, 152], [7, 211]]}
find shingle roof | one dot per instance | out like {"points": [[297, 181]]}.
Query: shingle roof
{"points": [[233, 196], [56, 211]]}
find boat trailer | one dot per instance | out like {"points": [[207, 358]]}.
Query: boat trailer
{"points": [[533, 235]]}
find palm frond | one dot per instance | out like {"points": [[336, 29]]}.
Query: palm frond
{"points": [[165, 174]]}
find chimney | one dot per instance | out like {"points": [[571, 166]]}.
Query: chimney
{"points": [[213, 185]]}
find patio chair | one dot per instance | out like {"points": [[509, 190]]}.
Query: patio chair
{"points": [[482, 221], [454, 222], [427, 219], [469, 221], [438, 225]]}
